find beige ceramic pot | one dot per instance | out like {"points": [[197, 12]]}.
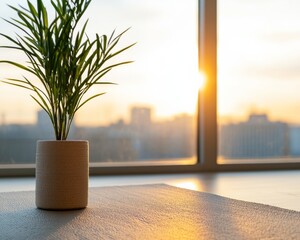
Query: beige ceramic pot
{"points": [[62, 173]]}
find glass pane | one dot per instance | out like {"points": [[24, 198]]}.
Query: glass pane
{"points": [[258, 81], [148, 116]]}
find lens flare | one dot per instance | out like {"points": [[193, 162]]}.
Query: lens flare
{"points": [[201, 80]]}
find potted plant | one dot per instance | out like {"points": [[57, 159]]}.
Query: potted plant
{"points": [[65, 64]]}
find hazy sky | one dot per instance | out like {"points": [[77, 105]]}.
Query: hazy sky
{"points": [[164, 74], [258, 60]]}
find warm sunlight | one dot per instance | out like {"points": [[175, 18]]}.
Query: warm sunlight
{"points": [[188, 185], [201, 80]]}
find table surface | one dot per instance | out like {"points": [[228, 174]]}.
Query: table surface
{"points": [[151, 211]]}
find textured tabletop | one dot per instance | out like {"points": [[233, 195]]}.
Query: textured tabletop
{"points": [[147, 212]]}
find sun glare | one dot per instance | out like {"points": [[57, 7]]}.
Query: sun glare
{"points": [[201, 80]]}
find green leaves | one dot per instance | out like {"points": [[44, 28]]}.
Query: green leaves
{"points": [[64, 60]]}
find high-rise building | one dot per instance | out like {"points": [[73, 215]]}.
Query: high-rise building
{"points": [[141, 117], [256, 138]]}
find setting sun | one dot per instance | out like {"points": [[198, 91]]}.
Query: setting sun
{"points": [[201, 80]]}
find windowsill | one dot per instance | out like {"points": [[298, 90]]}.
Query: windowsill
{"points": [[277, 188], [143, 163], [258, 161]]}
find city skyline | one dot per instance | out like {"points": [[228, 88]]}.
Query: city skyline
{"points": [[140, 139], [125, 118], [143, 138]]}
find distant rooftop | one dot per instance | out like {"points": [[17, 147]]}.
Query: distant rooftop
{"points": [[258, 118]]}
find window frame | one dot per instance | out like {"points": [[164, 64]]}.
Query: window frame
{"points": [[207, 144]]}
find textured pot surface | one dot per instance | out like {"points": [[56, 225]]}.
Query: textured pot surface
{"points": [[62, 173]]}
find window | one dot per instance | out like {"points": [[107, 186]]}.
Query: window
{"points": [[148, 118], [156, 120], [258, 81]]}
